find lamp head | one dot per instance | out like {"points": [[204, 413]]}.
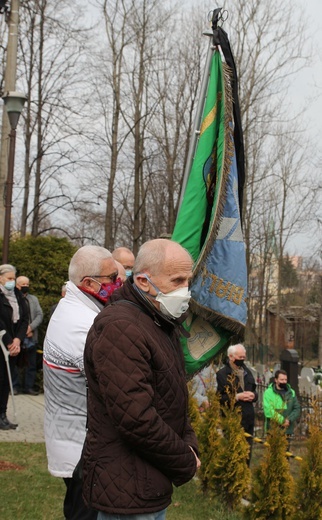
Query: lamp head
{"points": [[14, 102]]}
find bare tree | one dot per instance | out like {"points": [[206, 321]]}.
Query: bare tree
{"points": [[116, 26], [270, 47], [177, 87], [147, 24], [51, 51]]}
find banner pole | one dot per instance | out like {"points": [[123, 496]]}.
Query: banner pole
{"points": [[197, 122]]}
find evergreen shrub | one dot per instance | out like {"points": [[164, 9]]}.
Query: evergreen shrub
{"points": [[309, 484], [272, 494]]}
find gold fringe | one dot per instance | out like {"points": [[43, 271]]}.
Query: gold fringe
{"points": [[236, 327], [228, 151]]}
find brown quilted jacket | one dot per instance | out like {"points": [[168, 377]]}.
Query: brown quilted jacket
{"points": [[139, 435]]}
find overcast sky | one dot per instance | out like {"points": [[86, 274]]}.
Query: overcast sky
{"points": [[311, 79], [305, 91], [308, 91]]}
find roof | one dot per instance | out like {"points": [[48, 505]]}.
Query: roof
{"points": [[308, 313]]}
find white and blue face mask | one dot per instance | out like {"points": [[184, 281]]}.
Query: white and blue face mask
{"points": [[10, 285], [128, 272], [174, 303]]}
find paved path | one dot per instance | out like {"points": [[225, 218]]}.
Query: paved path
{"points": [[30, 419]]}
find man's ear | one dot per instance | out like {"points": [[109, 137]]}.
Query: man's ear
{"points": [[142, 282], [87, 282]]}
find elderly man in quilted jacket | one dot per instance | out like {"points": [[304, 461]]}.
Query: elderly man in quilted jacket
{"points": [[139, 440]]}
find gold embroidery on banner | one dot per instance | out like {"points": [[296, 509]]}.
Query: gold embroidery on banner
{"points": [[232, 293], [203, 338], [209, 119]]}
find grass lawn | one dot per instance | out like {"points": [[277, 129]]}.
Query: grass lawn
{"points": [[28, 492]]}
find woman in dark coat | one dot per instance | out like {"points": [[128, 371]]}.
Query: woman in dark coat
{"points": [[14, 321]]}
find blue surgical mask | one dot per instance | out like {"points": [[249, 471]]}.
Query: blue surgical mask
{"points": [[10, 285], [128, 272]]}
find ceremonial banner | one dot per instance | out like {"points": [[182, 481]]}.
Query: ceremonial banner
{"points": [[209, 224]]}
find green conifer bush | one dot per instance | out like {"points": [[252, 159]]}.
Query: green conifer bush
{"points": [[272, 494], [194, 413], [209, 436], [224, 473], [231, 474], [309, 484]]}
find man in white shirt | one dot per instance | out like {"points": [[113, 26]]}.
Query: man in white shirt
{"points": [[93, 276]]}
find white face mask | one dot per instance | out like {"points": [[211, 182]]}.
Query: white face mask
{"points": [[174, 303]]}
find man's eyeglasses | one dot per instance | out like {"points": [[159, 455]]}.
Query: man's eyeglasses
{"points": [[112, 277]]}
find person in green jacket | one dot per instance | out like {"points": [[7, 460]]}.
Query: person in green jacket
{"points": [[281, 404]]}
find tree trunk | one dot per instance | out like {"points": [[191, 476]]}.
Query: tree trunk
{"points": [[36, 212]]}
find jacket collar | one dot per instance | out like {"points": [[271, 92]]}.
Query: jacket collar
{"points": [[74, 294]]}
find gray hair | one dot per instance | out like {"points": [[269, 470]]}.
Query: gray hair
{"points": [[150, 257], [233, 348], [7, 268], [117, 253], [87, 261]]}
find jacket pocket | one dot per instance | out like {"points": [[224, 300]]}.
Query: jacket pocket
{"points": [[100, 480], [151, 483]]}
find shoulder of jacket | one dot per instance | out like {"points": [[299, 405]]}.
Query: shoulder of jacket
{"points": [[121, 311], [226, 369], [32, 297], [18, 295]]}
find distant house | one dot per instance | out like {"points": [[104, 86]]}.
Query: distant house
{"points": [[296, 327]]}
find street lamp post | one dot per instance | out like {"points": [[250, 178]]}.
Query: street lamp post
{"points": [[14, 102]]}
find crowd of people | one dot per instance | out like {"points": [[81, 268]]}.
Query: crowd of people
{"points": [[116, 423]]}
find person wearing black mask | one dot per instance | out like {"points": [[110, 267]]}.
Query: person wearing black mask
{"points": [[281, 404], [235, 381], [24, 374]]}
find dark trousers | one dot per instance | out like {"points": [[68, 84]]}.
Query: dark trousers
{"points": [[24, 373], [249, 428], [31, 368], [4, 381], [74, 507]]}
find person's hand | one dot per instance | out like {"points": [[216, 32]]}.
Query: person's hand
{"points": [[14, 349], [204, 405], [197, 460], [29, 332], [286, 423], [245, 396]]}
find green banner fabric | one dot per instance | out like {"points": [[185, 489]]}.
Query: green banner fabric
{"points": [[206, 341], [208, 226], [189, 226]]}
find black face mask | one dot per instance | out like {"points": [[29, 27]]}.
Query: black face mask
{"points": [[24, 289], [239, 362], [283, 386]]}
